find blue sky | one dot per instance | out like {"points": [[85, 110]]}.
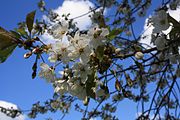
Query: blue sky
{"points": [[15, 74]]}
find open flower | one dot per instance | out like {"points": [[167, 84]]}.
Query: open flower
{"points": [[159, 21], [80, 47], [102, 93], [59, 51], [59, 29], [79, 91], [160, 43], [98, 36], [174, 58], [61, 87], [47, 73], [81, 70]]}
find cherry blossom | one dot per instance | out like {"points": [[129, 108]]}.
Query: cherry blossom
{"points": [[47, 73], [159, 21], [58, 30]]}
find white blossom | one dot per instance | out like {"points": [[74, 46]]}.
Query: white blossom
{"points": [[60, 29], [174, 4], [63, 73], [79, 91], [80, 47], [98, 36], [59, 51], [102, 93], [47, 73], [174, 58], [160, 42], [159, 21], [81, 70], [53, 57], [61, 87], [55, 104]]}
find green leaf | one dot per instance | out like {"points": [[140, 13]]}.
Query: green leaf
{"points": [[30, 20], [100, 52], [5, 53], [114, 33], [22, 32], [6, 39], [15, 34], [8, 43], [90, 83]]}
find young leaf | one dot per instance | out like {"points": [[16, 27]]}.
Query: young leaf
{"points": [[114, 33], [18, 36], [100, 52], [89, 85], [7, 44], [118, 85], [30, 20], [6, 39], [5, 53]]}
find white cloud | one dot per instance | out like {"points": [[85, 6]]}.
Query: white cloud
{"points": [[75, 8], [175, 13], [9, 105], [46, 38], [146, 36]]}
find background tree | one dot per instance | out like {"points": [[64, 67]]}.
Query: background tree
{"points": [[106, 63]]}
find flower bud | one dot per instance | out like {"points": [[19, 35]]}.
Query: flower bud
{"points": [[36, 50], [55, 104], [117, 50], [92, 56], [86, 101], [27, 55], [139, 55]]}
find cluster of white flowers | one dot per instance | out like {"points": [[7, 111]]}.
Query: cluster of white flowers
{"points": [[160, 21], [47, 73], [174, 4], [58, 30], [162, 27], [160, 42], [74, 50]]}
